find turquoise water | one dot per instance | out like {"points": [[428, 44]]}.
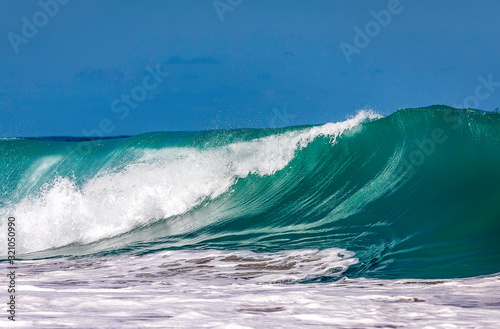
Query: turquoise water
{"points": [[414, 194]]}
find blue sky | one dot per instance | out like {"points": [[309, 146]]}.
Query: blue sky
{"points": [[237, 63]]}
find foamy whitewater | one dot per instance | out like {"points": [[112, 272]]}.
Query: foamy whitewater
{"points": [[374, 222], [216, 289]]}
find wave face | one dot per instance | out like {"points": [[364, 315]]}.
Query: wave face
{"points": [[414, 194]]}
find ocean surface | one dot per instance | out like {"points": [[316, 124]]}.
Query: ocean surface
{"points": [[374, 222]]}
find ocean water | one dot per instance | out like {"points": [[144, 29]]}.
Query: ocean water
{"points": [[374, 222]]}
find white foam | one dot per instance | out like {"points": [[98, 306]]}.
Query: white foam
{"points": [[159, 184], [240, 289]]}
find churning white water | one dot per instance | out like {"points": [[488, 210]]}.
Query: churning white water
{"points": [[240, 289]]}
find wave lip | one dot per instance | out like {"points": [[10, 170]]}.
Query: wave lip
{"points": [[155, 183]]}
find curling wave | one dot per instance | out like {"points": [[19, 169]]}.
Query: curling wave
{"points": [[413, 194]]}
